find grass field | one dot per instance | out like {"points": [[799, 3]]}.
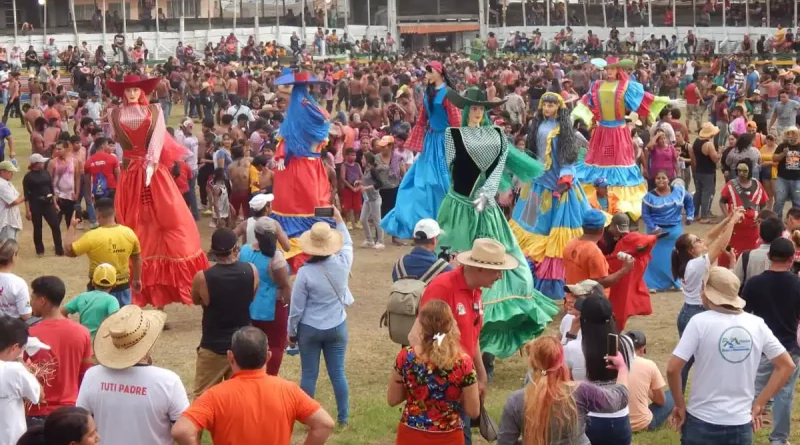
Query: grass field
{"points": [[370, 353]]}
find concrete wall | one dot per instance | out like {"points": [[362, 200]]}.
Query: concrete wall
{"points": [[198, 39]]}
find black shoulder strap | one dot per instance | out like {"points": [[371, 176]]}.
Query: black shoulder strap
{"points": [[745, 261]]}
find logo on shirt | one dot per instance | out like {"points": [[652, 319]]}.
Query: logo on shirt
{"points": [[460, 309], [735, 344]]}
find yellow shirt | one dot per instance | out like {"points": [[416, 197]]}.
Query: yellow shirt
{"points": [[113, 245], [253, 178]]}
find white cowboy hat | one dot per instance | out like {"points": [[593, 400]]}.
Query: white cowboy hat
{"points": [[126, 336], [321, 240], [487, 253]]}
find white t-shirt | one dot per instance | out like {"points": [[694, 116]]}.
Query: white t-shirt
{"points": [[407, 155], [574, 359], [566, 323], [14, 298], [727, 349], [134, 405], [692, 283], [93, 110], [16, 383], [9, 214]]}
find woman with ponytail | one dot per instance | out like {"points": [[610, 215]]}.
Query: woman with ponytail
{"points": [[691, 258], [552, 409], [436, 379]]}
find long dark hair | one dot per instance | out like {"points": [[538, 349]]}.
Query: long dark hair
{"points": [[743, 142], [567, 147], [63, 426], [267, 243], [430, 91], [593, 343], [681, 255]]}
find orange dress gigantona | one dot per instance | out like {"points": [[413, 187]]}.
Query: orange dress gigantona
{"points": [[171, 249]]}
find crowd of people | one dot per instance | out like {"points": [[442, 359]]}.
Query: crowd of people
{"points": [[509, 219]]}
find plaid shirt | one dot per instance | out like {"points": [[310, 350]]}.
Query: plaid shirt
{"points": [[417, 137]]}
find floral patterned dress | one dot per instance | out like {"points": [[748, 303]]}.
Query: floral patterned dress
{"points": [[433, 406]]}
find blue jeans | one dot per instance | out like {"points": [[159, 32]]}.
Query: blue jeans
{"points": [[193, 196], [467, 428], [704, 186], [166, 106], [86, 197], [661, 413], [332, 343], [122, 296], [609, 431], [697, 432], [687, 312], [782, 406], [784, 190]]}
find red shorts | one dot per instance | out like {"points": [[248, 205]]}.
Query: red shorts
{"points": [[240, 199], [351, 201]]}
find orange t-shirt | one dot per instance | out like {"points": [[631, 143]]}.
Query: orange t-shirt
{"points": [[251, 407], [583, 260]]}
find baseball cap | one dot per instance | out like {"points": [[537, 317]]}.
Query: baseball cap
{"points": [[261, 200], [187, 123], [638, 338], [36, 158], [594, 219], [265, 225], [585, 288], [8, 166], [594, 309], [781, 249], [105, 275], [621, 222], [223, 240], [600, 183], [427, 229]]}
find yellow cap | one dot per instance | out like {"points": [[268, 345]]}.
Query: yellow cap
{"points": [[105, 275]]}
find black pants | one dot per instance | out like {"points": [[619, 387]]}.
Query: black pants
{"points": [[67, 207], [15, 105], [45, 209], [202, 180]]}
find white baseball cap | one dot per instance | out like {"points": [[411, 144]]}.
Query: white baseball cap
{"points": [[36, 158], [427, 229], [261, 200]]}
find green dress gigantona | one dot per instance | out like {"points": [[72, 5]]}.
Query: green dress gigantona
{"points": [[478, 157]]}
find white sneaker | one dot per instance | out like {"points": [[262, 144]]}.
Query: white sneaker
{"points": [[379, 246], [212, 224], [368, 244]]}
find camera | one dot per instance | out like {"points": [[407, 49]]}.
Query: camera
{"points": [[445, 253]]}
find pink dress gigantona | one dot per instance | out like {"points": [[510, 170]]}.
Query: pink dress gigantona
{"points": [[171, 249]]}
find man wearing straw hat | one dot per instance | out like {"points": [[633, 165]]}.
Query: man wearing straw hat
{"points": [[480, 268], [131, 400]]}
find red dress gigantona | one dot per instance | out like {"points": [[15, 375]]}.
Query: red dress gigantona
{"points": [[171, 249]]}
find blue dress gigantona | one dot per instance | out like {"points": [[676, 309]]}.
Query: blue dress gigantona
{"points": [[424, 185], [666, 213]]}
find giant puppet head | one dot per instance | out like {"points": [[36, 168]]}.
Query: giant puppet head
{"points": [[306, 124]]}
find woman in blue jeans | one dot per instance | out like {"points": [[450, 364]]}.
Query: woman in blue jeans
{"points": [[317, 318], [691, 258]]}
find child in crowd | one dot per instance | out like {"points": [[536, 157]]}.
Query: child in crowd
{"points": [[96, 305], [684, 161], [219, 200], [350, 176], [371, 210]]}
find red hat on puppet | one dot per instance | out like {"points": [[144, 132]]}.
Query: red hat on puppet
{"points": [[147, 85]]}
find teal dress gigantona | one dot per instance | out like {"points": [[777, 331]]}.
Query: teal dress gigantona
{"points": [[477, 157]]}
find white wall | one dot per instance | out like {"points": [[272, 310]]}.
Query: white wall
{"points": [[198, 39]]}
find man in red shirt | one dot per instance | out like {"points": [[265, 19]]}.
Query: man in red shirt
{"points": [[62, 367], [694, 109], [102, 169], [461, 290]]}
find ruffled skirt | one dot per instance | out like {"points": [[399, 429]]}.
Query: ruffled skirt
{"points": [[658, 275]]}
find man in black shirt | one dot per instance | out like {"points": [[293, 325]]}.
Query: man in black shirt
{"points": [[41, 202], [774, 295], [787, 155]]}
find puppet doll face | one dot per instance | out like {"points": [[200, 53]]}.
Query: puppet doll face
{"points": [[611, 73], [549, 110], [475, 115], [132, 95]]}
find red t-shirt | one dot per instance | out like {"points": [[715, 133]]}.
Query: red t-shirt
{"points": [[465, 303], [64, 364], [104, 163], [691, 95], [182, 181]]}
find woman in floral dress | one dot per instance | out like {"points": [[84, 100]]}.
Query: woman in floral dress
{"points": [[437, 380]]}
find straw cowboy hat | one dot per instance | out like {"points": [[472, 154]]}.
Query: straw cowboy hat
{"points": [[634, 117], [707, 131], [487, 253], [722, 288], [147, 85], [321, 240], [127, 335]]}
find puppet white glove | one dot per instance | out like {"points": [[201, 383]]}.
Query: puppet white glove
{"points": [[148, 174], [480, 202], [281, 166]]}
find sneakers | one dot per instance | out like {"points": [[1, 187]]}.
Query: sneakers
{"points": [[379, 246], [368, 244], [212, 224], [207, 212], [349, 226], [358, 225]]}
